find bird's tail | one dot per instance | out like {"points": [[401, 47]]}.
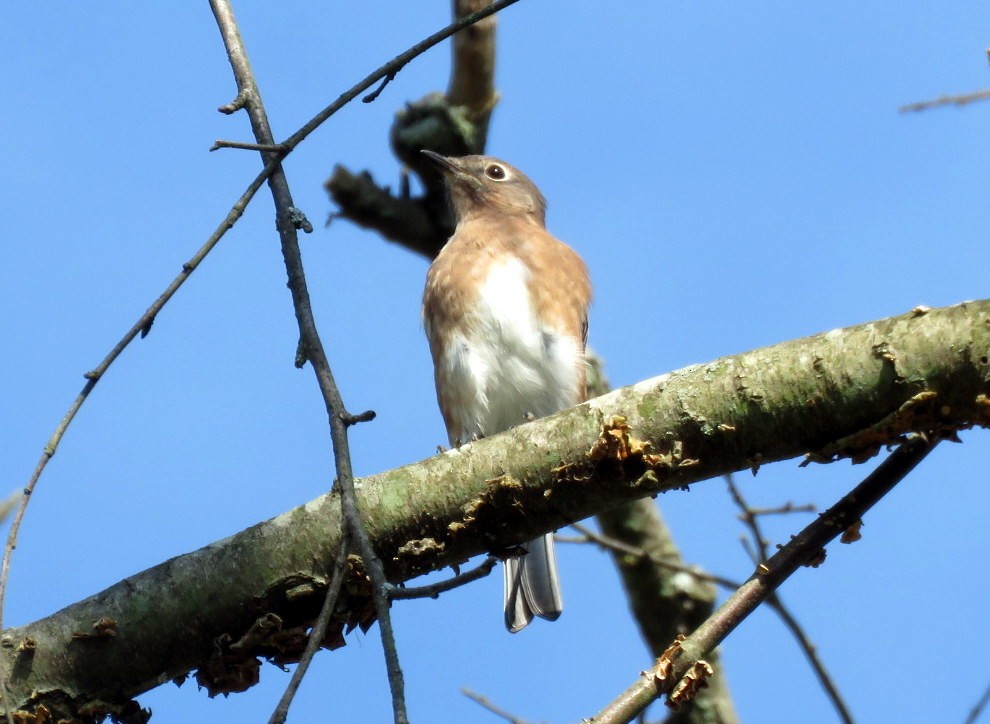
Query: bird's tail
{"points": [[531, 585]]}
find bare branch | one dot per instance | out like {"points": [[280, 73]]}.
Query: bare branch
{"points": [[811, 653], [487, 704], [749, 516], [589, 536], [145, 322], [243, 145], [434, 590], [141, 327], [391, 68], [665, 605], [785, 509], [959, 101], [685, 657], [309, 339], [405, 221], [617, 546], [977, 710]]}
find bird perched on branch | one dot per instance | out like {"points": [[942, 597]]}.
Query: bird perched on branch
{"points": [[506, 313]]}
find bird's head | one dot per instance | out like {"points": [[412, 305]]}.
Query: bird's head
{"points": [[484, 184]]}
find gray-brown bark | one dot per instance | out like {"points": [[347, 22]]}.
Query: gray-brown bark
{"points": [[840, 394]]}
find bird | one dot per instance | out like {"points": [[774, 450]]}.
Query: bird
{"points": [[505, 310]]}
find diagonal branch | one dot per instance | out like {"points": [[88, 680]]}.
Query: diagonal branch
{"points": [[958, 100], [760, 544], [663, 604], [681, 670], [317, 635], [140, 328], [864, 386]]}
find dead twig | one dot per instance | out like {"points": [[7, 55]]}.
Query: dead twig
{"points": [[959, 101], [611, 544], [433, 590], [484, 702], [784, 509], [750, 516], [685, 656]]}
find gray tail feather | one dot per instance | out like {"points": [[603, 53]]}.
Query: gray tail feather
{"points": [[531, 585]]}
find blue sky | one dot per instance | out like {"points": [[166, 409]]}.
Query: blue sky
{"points": [[735, 175]]}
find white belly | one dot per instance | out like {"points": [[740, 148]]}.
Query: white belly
{"points": [[505, 365]]}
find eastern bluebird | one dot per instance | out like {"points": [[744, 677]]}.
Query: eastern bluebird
{"points": [[506, 313]]}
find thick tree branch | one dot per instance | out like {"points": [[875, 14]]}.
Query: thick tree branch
{"points": [[864, 387]]}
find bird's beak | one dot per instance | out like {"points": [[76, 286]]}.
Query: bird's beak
{"points": [[443, 163]]}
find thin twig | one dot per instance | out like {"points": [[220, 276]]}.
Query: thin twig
{"points": [[487, 704], [94, 376], [811, 653], [370, 98], [454, 124], [366, 416], [244, 145], [390, 69], [953, 100], [686, 655], [975, 712], [340, 419], [235, 213], [749, 516], [433, 590], [607, 543], [317, 634], [784, 509]]}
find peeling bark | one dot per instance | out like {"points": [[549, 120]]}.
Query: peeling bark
{"points": [[253, 593]]}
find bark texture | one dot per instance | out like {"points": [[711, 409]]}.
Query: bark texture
{"points": [[844, 393]]}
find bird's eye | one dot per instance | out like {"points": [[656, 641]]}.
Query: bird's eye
{"points": [[495, 172]]}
